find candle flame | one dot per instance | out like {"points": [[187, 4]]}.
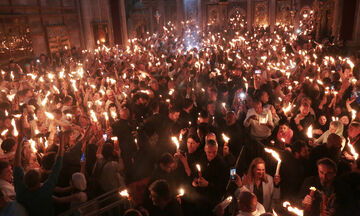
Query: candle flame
{"points": [[176, 142], [291, 209], [352, 150], [4, 132], [33, 145], [181, 192], [225, 138], [93, 116], [274, 213], [16, 133], [113, 114], [124, 193], [309, 132], [11, 97], [106, 116], [353, 114], [313, 188], [114, 139], [274, 154], [49, 115], [198, 167]]}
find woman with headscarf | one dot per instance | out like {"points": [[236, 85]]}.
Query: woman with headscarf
{"points": [[335, 127], [77, 186]]}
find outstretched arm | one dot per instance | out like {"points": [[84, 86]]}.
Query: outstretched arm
{"points": [[17, 160]]}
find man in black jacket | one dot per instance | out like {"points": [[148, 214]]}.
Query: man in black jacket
{"points": [[292, 170], [211, 179], [323, 199], [124, 131]]}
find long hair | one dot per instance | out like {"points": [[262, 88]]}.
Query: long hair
{"points": [[252, 167]]}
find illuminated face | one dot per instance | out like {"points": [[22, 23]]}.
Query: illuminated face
{"points": [[353, 132], [332, 128], [230, 119], [344, 120], [283, 128], [7, 174], [322, 120], [259, 170], [192, 145], [211, 109], [124, 113], [110, 95], [264, 97], [304, 153], [304, 110], [347, 73], [154, 85], [337, 111], [154, 198], [174, 116], [326, 174], [168, 167], [258, 108], [211, 152]]}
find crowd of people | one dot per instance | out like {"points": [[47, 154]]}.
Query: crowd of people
{"points": [[184, 122]]}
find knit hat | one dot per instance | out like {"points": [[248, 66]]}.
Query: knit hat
{"points": [[79, 181]]}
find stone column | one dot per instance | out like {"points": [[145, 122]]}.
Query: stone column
{"points": [[199, 6], [356, 35], [272, 14], [124, 32], [86, 14], [110, 21], [249, 14], [179, 15], [223, 14], [161, 8], [336, 19], [151, 19]]}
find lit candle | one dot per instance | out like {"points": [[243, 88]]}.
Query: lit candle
{"points": [[124, 193], [106, 119], [225, 138], [181, 192], [352, 150], [4, 132], [49, 115], [199, 169], [176, 142], [291, 209], [33, 145], [15, 132], [93, 116], [353, 114], [309, 132]]}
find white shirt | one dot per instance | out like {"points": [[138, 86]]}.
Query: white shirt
{"points": [[259, 210], [258, 128], [7, 188]]}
